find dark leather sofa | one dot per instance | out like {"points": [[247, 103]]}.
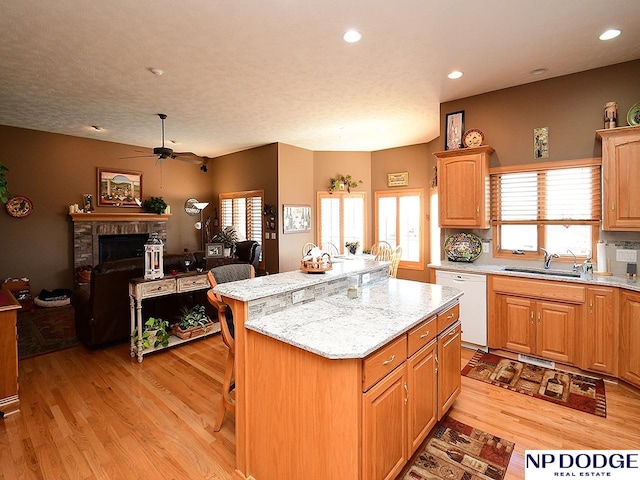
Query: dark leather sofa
{"points": [[102, 309]]}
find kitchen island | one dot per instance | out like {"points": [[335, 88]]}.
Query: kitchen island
{"points": [[339, 388]]}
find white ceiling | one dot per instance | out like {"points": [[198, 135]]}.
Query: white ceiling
{"points": [[243, 73]]}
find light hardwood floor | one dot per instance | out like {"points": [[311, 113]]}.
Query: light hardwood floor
{"points": [[99, 414]]}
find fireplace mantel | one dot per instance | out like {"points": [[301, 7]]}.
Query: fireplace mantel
{"points": [[119, 217]]}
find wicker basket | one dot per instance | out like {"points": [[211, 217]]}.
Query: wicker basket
{"points": [[319, 265], [191, 332], [84, 276]]}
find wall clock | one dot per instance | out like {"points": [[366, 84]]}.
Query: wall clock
{"points": [[19, 206], [190, 208], [473, 137]]}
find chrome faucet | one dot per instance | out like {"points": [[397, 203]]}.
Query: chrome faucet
{"points": [[548, 257], [576, 267]]}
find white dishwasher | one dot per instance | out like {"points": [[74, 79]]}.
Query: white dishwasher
{"points": [[473, 305]]}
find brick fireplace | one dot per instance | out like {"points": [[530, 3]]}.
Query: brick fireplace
{"points": [[88, 227]]}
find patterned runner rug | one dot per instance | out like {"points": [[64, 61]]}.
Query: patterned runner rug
{"points": [[45, 330], [457, 451], [563, 388]]}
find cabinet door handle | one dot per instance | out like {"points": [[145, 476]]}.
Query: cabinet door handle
{"points": [[450, 316], [387, 362], [425, 334], [531, 317], [477, 211], [453, 332], [591, 305], [613, 206], [406, 394], [538, 317]]}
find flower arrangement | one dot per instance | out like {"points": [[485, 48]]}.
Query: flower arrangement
{"points": [[4, 191], [352, 247], [342, 182]]}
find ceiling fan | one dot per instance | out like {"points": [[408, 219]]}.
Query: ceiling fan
{"points": [[165, 152]]}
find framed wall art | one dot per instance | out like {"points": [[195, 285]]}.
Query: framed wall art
{"points": [[454, 128], [400, 179], [297, 218], [119, 188]]}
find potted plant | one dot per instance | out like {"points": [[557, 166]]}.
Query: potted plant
{"points": [[155, 205], [193, 322], [342, 182], [154, 333], [227, 236], [4, 191]]}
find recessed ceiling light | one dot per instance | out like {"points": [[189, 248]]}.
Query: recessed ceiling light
{"points": [[155, 71], [609, 34], [455, 74], [539, 71], [352, 36]]}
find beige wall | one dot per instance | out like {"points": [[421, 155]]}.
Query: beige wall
{"points": [[295, 187], [418, 161], [572, 107], [253, 169], [54, 171]]}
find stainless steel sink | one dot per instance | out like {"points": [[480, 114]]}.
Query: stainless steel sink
{"points": [[542, 271]]}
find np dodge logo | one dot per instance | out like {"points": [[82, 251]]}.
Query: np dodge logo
{"points": [[609, 464]]}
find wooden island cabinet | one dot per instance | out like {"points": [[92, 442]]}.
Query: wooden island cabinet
{"points": [[326, 389], [630, 337]]}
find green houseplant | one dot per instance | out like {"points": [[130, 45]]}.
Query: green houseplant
{"points": [[343, 182], [4, 191], [155, 205], [154, 333], [193, 322], [227, 236]]}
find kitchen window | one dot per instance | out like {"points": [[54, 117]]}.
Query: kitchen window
{"points": [[341, 218], [555, 206], [399, 222], [243, 210]]}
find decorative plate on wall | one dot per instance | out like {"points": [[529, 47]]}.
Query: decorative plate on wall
{"points": [[463, 247], [633, 117], [19, 206]]}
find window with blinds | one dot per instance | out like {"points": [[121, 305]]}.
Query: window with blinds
{"points": [[341, 218], [555, 206], [243, 211]]}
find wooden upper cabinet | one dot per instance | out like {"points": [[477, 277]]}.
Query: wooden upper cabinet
{"points": [[621, 178], [463, 187]]}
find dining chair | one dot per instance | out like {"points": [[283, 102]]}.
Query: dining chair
{"points": [[307, 247], [330, 248], [395, 261], [217, 275], [382, 251]]}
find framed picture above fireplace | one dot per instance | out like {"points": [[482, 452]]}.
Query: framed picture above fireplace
{"points": [[119, 188]]}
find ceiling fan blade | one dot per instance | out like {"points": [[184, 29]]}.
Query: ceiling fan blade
{"points": [[136, 156], [188, 157]]}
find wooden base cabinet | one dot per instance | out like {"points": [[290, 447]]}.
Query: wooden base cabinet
{"points": [[449, 378], [599, 328], [422, 382], [630, 337], [9, 401]]}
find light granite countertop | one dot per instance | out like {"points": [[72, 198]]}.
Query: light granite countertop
{"points": [[260, 287], [338, 327], [592, 279]]}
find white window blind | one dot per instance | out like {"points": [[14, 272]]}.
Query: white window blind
{"points": [[551, 196], [243, 211]]}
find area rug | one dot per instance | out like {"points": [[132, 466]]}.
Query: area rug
{"points": [[456, 451], [45, 330], [563, 388]]}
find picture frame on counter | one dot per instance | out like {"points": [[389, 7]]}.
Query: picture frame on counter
{"points": [[214, 250], [454, 128], [400, 179]]}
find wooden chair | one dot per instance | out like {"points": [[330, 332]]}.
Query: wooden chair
{"points": [[382, 251], [331, 249], [307, 247], [395, 261], [223, 274]]}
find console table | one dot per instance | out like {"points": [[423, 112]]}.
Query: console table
{"points": [[140, 289]]}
